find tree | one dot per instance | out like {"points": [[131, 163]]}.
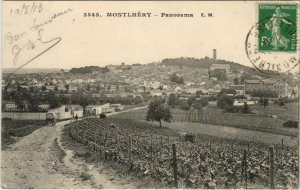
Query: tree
{"points": [[199, 93], [263, 93], [245, 108], [243, 78], [175, 78], [225, 91], [64, 99], [67, 87], [84, 101], [191, 100], [240, 96], [158, 112], [197, 105], [88, 87], [220, 74], [203, 102], [173, 100], [184, 105], [236, 81], [138, 100], [53, 101], [33, 104], [31, 89], [225, 102], [263, 101], [20, 102]]}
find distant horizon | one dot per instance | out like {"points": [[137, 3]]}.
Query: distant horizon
{"points": [[159, 61]]}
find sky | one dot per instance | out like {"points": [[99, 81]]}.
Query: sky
{"points": [[110, 40]]}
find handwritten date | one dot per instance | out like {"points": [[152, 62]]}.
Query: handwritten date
{"points": [[27, 9]]}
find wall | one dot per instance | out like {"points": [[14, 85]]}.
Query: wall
{"points": [[24, 115]]}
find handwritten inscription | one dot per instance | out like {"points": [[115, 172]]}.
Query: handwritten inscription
{"points": [[28, 45], [37, 26], [27, 9], [40, 42]]}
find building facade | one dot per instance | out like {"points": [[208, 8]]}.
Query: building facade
{"points": [[280, 88], [220, 66]]}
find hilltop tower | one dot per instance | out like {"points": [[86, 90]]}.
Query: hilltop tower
{"points": [[214, 54]]}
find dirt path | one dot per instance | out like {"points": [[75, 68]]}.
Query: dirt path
{"points": [[37, 161]]}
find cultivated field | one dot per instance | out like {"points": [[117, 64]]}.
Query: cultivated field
{"points": [[260, 120], [210, 162]]}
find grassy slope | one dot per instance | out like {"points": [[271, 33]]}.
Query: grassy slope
{"points": [[12, 128]]}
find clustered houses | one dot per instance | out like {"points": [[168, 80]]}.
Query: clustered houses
{"points": [[139, 81]]}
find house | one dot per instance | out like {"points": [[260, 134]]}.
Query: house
{"points": [[76, 81], [112, 88], [190, 83], [50, 87], [67, 81], [156, 93], [178, 89], [240, 102], [111, 67], [24, 86], [168, 92], [116, 107], [191, 90], [225, 67], [98, 109], [54, 81], [44, 107], [280, 88], [155, 84], [61, 88], [33, 82], [75, 110], [73, 89], [67, 112], [91, 80], [166, 87], [10, 106], [117, 70], [240, 89]]}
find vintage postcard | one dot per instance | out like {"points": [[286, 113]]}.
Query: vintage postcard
{"points": [[150, 95]]}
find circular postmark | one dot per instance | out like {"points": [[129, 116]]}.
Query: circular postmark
{"points": [[276, 53]]}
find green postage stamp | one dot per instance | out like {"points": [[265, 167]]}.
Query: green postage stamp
{"points": [[277, 30]]}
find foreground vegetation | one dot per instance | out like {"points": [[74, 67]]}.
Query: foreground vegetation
{"points": [[209, 162], [13, 128]]}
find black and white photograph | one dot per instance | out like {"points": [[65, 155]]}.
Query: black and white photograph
{"points": [[150, 94]]}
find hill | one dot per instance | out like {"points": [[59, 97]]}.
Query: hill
{"points": [[201, 63], [206, 62], [88, 69]]}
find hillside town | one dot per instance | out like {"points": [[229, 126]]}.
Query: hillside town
{"points": [[111, 88]]}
